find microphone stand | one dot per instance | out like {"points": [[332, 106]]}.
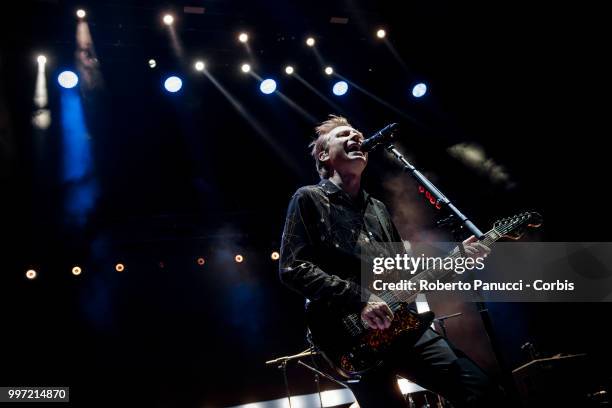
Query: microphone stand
{"points": [[457, 218], [310, 352], [441, 199], [282, 361]]}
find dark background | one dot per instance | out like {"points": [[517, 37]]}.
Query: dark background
{"points": [[185, 175]]}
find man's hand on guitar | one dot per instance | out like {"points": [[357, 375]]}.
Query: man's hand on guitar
{"points": [[474, 249], [376, 313]]}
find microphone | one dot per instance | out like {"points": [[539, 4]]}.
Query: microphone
{"points": [[382, 136]]}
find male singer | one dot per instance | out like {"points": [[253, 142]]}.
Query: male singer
{"points": [[326, 226]]}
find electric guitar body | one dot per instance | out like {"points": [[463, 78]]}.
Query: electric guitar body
{"points": [[351, 351]]}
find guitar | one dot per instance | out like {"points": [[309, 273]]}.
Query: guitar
{"points": [[352, 348]]}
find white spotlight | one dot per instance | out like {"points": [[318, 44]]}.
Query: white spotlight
{"points": [[245, 68], [310, 42], [152, 63], [419, 90], [41, 59], [81, 13], [381, 33], [329, 70], [173, 84], [41, 119], [340, 88], [243, 37], [199, 65], [289, 70], [267, 86], [168, 19], [68, 79]]}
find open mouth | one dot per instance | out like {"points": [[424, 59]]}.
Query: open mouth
{"points": [[353, 149]]}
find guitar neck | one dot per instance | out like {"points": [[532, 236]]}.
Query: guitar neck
{"points": [[396, 298]]}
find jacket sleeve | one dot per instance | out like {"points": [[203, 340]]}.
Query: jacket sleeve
{"points": [[298, 268]]}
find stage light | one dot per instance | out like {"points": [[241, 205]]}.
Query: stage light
{"points": [[289, 70], [68, 79], [310, 42], [152, 63], [76, 271], [201, 261], [275, 255], [199, 65], [245, 68], [81, 13], [381, 33], [267, 86], [239, 258], [407, 387], [329, 70], [173, 84], [243, 37], [168, 19], [119, 267], [41, 116], [419, 90], [333, 398], [31, 274], [340, 88]]}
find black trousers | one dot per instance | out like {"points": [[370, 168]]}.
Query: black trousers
{"points": [[434, 364]]}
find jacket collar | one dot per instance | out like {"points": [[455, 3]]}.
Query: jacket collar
{"points": [[330, 188]]}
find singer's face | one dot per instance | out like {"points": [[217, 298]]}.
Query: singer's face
{"points": [[344, 150]]}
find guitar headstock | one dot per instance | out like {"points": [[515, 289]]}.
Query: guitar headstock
{"points": [[514, 227]]}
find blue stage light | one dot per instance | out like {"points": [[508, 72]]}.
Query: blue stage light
{"points": [[80, 186], [267, 86], [419, 90], [68, 79], [340, 88], [173, 84]]}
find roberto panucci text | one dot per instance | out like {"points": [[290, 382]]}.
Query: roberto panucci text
{"points": [[476, 284]]}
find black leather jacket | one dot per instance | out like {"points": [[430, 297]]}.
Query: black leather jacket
{"points": [[323, 240]]}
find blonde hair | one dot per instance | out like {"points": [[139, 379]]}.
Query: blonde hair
{"points": [[320, 144]]}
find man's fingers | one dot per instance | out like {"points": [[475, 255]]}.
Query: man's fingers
{"points": [[383, 322], [483, 248], [377, 315], [383, 318], [387, 311], [477, 249], [375, 322], [369, 319], [470, 240], [380, 322]]}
